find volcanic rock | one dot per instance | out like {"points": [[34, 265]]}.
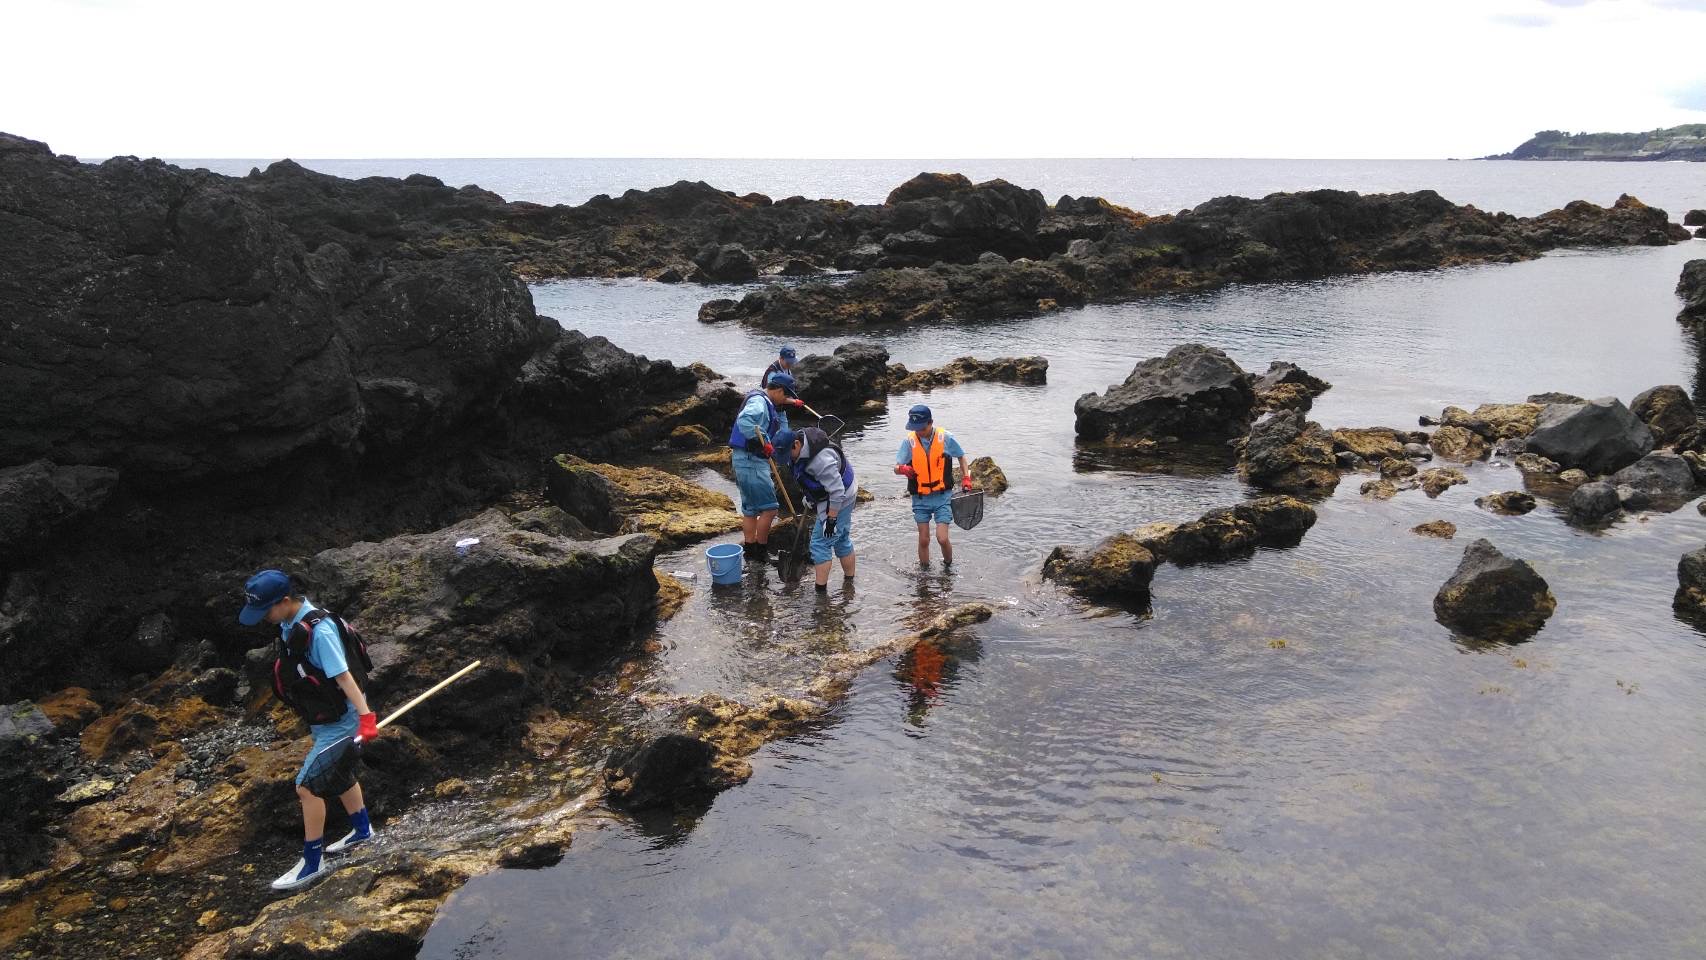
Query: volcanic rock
{"points": [[1694, 218], [1662, 475], [1288, 454], [1373, 444], [1458, 443], [611, 499], [988, 477], [1593, 502], [1021, 370], [855, 373], [1690, 597], [1195, 392], [1668, 413], [1510, 502], [1118, 568], [1440, 529], [1600, 436], [1437, 480], [1493, 597], [39, 499]]}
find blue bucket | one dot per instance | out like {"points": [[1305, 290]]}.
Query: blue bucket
{"points": [[724, 559]]}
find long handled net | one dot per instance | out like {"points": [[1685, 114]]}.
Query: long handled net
{"points": [[332, 770]]}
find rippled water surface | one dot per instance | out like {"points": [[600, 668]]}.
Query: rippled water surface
{"points": [[1287, 757]]}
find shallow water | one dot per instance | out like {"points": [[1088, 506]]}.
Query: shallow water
{"points": [[1287, 757]]}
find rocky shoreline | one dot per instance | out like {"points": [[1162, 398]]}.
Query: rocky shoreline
{"points": [[204, 375]]}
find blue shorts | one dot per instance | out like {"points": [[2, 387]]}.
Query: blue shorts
{"points": [[325, 735], [757, 486], [923, 512], [840, 545]]}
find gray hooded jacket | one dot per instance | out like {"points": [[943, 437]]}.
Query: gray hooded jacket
{"points": [[826, 470]]}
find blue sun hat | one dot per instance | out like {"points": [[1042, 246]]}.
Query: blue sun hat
{"points": [[918, 417], [783, 379], [262, 591], [788, 354]]}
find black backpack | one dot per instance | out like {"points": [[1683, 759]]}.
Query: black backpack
{"points": [[304, 687]]}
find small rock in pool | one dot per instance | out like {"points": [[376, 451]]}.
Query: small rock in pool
{"points": [[1437, 480], [1379, 489], [1593, 502], [1443, 529], [1494, 597], [1510, 502]]}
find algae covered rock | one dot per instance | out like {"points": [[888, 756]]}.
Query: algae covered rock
{"points": [[1437, 480], [1510, 502], [1458, 443], [988, 477], [1690, 598], [1373, 444], [1493, 597], [1118, 568], [1668, 413], [1030, 371], [612, 499], [1439, 529]]}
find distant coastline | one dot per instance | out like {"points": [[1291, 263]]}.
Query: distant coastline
{"points": [[1686, 142]]}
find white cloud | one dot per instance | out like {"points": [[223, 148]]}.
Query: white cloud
{"points": [[1333, 78]]}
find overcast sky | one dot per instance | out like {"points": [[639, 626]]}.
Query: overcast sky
{"points": [[804, 78]]}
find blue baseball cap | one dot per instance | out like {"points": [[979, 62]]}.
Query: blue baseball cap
{"points": [[783, 379], [917, 417], [262, 591], [788, 353], [784, 439]]}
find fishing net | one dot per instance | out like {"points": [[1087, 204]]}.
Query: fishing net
{"points": [[968, 508], [333, 769]]}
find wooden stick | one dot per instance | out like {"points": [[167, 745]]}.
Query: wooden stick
{"points": [[784, 488], [405, 708]]}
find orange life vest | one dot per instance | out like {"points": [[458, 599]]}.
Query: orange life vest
{"points": [[931, 472]]}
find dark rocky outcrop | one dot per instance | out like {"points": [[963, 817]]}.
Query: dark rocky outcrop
{"points": [[1285, 453], [531, 603], [1694, 218], [1669, 414], [39, 499], [1600, 436], [855, 373], [1691, 287], [1493, 597], [1287, 386], [1690, 600], [611, 499], [1118, 568], [1280, 237], [1194, 393]]}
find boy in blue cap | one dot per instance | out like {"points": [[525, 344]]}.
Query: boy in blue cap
{"points": [[926, 460], [784, 363], [316, 675], [761, 426]]}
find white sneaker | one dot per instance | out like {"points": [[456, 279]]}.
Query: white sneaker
{"points": [[350, 840], [298, 876]]}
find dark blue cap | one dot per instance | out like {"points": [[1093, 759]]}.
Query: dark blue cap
{"points": [[783, 379], [784, 439], [917, 417], [788, 353], [262, 591]]}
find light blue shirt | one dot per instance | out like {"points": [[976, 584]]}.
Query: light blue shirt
{"points": [[754, 419], [904, 458], [327, 649]]}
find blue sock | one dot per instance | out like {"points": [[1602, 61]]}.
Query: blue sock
{"points": [[358, 820], [311, 854]]}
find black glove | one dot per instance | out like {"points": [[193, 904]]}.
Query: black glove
{"points": [[755, 446], [828, 526]]}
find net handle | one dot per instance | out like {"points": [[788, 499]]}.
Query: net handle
{"points": [[405, 708]]}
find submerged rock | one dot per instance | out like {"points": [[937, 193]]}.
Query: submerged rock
{"points": [[1510, 502], [1493, 597], [1437, 480], [1441, 529], [1379, 489], [1030, 371], [1372, 444], [1592, 502], [1600, 436], [1288, 454], [1535, 465], [1193, 393]]}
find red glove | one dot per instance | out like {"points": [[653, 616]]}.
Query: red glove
{"points": [[965, 483], [769, 449], [368, 728], [793, 402], [905, 471]]}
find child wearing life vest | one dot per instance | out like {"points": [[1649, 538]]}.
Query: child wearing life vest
{"points": [[761, 424], [316, 675], [925, 459], [826, 479]]}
